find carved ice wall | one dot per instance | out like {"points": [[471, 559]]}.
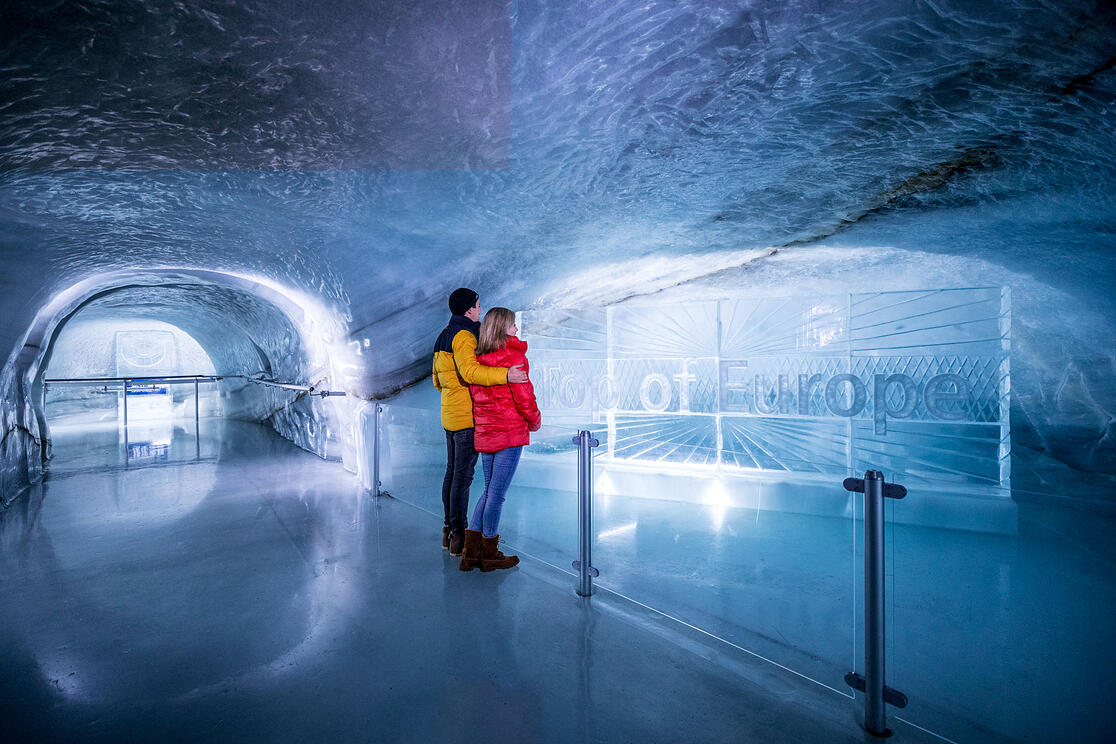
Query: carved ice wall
{"points": [[914, 383]]}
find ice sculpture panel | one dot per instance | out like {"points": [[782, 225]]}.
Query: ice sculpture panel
{"points": [[146, 354], [915, 383]]}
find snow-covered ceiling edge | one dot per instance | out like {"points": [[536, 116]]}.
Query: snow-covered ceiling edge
{"points": [[372, 156]]}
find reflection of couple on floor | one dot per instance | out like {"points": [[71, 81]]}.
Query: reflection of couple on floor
{"points": [[488, 406]]}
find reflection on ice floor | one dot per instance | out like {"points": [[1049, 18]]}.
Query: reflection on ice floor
{"points": [[260, 595], [90, 446], [710, 566], [158, 592], [989, 634]]}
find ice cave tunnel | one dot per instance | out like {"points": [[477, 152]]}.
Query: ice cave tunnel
{"points": [[755, 249]]}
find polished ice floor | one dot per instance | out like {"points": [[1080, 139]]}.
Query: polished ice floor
{"points": [[1001, 631], [236, 588], [248, 591]]}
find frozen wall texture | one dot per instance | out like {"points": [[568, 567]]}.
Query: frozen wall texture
{"points": [[112, 346], [916, 383], [363, 159], [87, 346], [96, 346]]}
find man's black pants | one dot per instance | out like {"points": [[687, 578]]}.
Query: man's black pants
{"points": [[461, 461]]}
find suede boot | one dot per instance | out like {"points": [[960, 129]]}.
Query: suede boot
{"points": [[456, 542], [445, 538], [471, 552], [491, 558]]}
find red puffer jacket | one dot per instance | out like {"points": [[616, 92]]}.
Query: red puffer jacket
{"points": [[504, 414]]}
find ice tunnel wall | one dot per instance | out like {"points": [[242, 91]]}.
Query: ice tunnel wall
{"points": [[89, 346], [570, 156], [247, 331]]}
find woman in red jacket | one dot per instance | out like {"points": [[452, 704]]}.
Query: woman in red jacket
{"points": [[503, 416]]}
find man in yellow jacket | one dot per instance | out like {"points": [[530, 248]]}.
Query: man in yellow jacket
{"points": [[455, 369]]}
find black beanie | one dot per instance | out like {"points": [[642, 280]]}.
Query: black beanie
{"points": [[462, 300]]}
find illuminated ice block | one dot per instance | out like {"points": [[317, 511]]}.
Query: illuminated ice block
{"points": [[914, 383]]}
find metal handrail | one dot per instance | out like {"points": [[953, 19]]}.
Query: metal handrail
{"points": [[187, 379], [312, 390], [194, 380], [172, 379], [283, 385]]}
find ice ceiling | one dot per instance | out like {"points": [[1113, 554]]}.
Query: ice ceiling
{"points": [[364, 158]]}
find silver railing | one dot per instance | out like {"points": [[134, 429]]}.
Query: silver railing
{"points": [[196, 381], [873, 682], [311, 389], [376, 486], [180, 379], [584, 563], [126, 382]]}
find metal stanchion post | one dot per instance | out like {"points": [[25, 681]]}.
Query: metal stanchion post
{"points": [[872, 684], [584, 565], [197, 420], [125, 422], [376, 450]]}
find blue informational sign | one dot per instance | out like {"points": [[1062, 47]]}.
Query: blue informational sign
{"points": [[916, 383], [141, 389]]}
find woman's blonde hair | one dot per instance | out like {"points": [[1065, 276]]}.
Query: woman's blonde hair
{"points": [[494, 329]]}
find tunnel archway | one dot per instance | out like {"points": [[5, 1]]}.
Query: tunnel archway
{"points": [[253, 329], [105, 342]]}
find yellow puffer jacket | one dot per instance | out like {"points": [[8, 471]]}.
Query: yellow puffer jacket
{"points": [[456, 367]]}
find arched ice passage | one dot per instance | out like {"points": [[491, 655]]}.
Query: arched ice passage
{"points": [[250, 330]]}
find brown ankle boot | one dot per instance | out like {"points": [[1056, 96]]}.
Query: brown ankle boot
{"points": [[491, 558], [471, 552], [445, 538], [456, 542]]}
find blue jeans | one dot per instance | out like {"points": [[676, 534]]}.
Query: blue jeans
{"points": [[461, 459], [499, 467]]}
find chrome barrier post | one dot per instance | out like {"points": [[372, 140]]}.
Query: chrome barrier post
{"points": [[584, 565], [873, 683], [125, 422], [376, 451], [197, 420]]}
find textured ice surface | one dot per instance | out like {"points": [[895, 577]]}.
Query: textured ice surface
{"points": [[915, 383], [111, 347], [363, 160]]}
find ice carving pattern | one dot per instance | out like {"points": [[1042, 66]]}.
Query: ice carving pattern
{"points": [[137, 352], [916, 383]]}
